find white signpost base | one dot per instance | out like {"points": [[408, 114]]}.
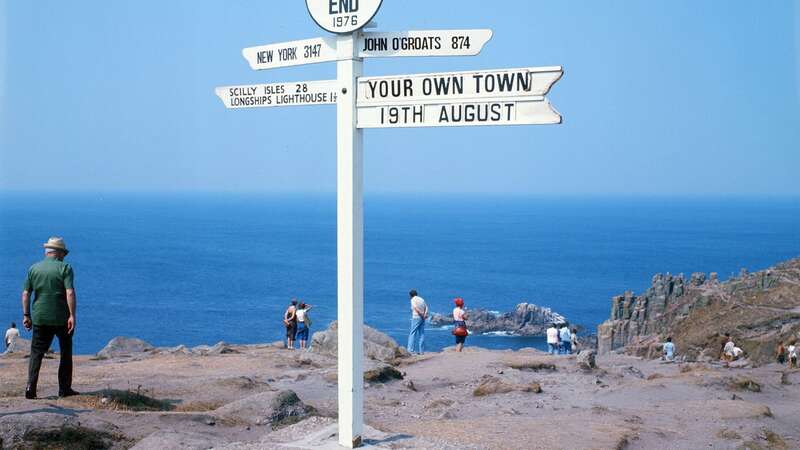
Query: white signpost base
{"points": [[349, 245]]}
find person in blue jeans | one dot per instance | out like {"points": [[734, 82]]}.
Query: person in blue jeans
{"points": [[565, 341], [419, 313]]}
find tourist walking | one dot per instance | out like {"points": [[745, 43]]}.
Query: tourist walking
{"points": [[565, 339], [303, 323], [52, 314], [669, 350], [552, 339], [792, 351], [11, 334], [781, 353], [419, 313], [290, 322], [459, 323]]}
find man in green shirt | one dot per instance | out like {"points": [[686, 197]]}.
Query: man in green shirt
{"points": [[50, 280]]}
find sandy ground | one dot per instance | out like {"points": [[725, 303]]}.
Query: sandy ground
{"points": [[626, 403]]}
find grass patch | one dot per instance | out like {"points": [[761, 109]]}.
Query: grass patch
{"points": [[68, 438], [127, 400], [197, 406]]}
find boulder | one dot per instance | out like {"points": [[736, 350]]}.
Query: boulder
{"points": [[179, 440], [526, 319], [124, 346], [273, 408], [57, 430], [19, 347], [14, 426], [492, 385], [586, 360], [377, 345], [220, 348], [382, 374]]}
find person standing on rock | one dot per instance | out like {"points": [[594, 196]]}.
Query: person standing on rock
{"points": [[303, 323], [11, 334], [552, 339], [459, 323], [419, 313], [54, 305], [290, 322], [565, 338]]}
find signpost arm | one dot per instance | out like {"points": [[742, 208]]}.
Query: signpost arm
{"points": [[349, 244]]}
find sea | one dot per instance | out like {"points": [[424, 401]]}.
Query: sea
{"points": [[201, 268]]}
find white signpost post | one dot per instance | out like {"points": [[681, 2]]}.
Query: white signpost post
{"points": [[483, 97]]}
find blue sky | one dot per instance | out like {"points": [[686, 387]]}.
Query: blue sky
{"points": [[658, 97]]}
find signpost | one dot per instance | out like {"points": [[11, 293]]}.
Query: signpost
{"points": [[423, 43], [278, 94], [483, 97], [292, 53]]}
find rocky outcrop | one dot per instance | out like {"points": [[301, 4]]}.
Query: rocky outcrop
{"points": [[267, 408], [124, 346], [179, 440], [377, 345], [586, 360], [758, 309], [526, 319]]}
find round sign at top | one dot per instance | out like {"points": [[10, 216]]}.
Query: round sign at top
{"points": [[342, 16]]}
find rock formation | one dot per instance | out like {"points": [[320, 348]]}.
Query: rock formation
{"points": [[377, 345], [526, 319], [124, 346], [758, 309]]}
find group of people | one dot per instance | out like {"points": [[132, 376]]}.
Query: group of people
{"points": [[788, 353], [420, 313], [561, 340], [297, 323]]}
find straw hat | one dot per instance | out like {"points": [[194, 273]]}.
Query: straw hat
{"points": [[56, 243]]}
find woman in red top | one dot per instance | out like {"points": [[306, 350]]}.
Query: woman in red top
{"points": [[459, 323]]}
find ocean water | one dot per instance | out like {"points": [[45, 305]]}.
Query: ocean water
{"points": [[200, 268]]}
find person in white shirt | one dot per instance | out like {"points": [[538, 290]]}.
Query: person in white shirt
{"points": [[552, 339], [792, 351], [566, 340], [11, 334], [727, 350], [419, 313], [303, 323]]}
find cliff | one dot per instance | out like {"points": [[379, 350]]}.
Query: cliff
{"points": [[758, 309]]}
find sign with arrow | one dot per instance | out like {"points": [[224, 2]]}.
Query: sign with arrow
{"points": [[498, 83], [423, 43], [278, 94], [291, 53]]}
